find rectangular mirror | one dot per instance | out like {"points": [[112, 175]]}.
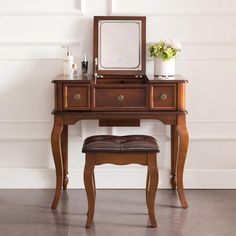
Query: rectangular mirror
{"points": [[119, 45]]}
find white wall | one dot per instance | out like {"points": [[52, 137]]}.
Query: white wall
{"points": [[31, 35]]}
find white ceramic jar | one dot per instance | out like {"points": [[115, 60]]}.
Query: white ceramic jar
{"points": [[164, 67]]}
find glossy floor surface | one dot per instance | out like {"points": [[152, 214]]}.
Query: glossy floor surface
{"points": [[118, 213]]}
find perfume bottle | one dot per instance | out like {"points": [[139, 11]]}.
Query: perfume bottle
{"points": [[75, 70], [84, 65]]}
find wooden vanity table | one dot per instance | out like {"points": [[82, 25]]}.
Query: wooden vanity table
{"points": [[119, 95]]}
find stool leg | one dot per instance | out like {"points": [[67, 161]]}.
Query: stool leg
{"points": [[94, 189], [94, 186], [89, 187], [153, 182], [147, 187]]}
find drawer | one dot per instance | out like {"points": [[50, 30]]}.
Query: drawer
{"points": [[76, 97], [163, 97], [120, 98]]}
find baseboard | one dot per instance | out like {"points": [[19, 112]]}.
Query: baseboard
{"points": [[117, 178]]}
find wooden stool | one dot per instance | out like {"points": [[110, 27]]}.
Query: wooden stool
{"points": [[121, 150]]}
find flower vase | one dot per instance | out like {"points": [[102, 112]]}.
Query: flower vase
{"points": [[164, 67]]}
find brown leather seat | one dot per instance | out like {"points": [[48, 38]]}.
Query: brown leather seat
{"points": [[112, 143]]}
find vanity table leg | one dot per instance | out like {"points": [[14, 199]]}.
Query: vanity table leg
{"points": [[183, 148], [64, 150], [56, 150], [174, 154]]}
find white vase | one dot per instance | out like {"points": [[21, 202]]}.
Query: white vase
{"points": [[163, 67]]}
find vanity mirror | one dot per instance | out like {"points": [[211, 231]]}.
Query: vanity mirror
{"points": [[119, 45]]}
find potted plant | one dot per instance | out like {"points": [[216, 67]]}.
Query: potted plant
{"points": [[164, 52]]}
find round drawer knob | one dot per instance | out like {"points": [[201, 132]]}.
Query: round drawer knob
{"points": [[120, 97], [163, 97], [77, 96]]}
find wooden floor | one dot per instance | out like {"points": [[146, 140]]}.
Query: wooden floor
{"points": [[118, 213]]}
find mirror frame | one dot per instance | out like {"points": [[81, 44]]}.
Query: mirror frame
{"points": [[142, 70]]}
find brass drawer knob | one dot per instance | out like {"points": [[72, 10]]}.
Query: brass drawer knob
{"points": [[163, 97], [120, 97], [77, 96]]}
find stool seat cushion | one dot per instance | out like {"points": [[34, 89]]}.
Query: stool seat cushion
{"points": [[112, 143]]}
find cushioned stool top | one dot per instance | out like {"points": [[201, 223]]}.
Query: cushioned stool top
{"points": [[129, 143]]}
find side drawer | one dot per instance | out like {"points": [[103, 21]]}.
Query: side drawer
{"points": [[120, 98], [76, 97], [163, 97]]}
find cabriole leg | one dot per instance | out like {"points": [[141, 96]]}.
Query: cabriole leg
{"points": [[57, 155]]}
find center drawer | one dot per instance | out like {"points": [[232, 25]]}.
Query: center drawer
{"points": [[120, 98]]}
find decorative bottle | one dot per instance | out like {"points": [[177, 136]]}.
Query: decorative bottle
{"points": [[68, 63]]}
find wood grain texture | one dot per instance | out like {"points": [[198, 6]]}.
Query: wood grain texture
{"points": [[141, 71], [147, 187], [58, 96], [89, 184], [64, 149], [117, 158], [124, 112], [120, 97], [76, 97], [163, 97], [183, 148], [117, 123], [174, 155], [121, 158], [181, 97], [56, 150], [153, 183]]}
